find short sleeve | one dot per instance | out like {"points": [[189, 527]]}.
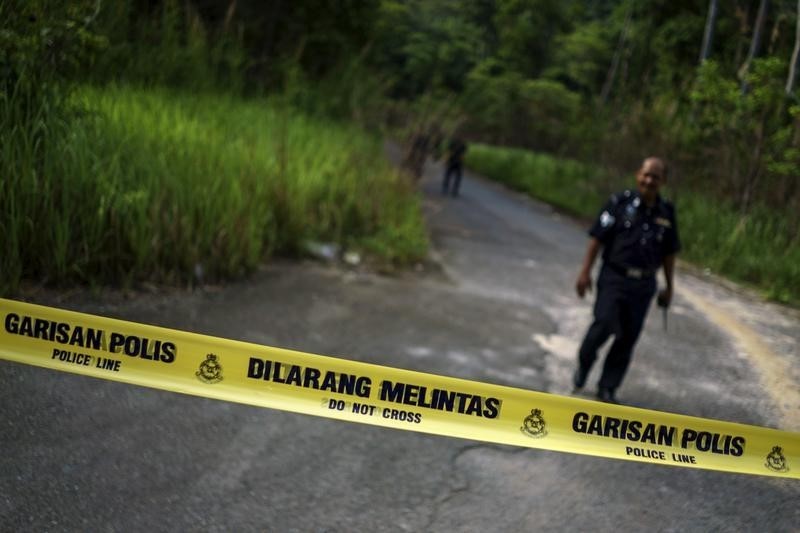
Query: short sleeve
{"points": [[603, 227]]}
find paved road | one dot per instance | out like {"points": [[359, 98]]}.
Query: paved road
{"points": [[82, 454]]}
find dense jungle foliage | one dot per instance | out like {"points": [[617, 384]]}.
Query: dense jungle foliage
{"points": [[709, 85]]}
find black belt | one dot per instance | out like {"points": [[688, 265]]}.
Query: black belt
{"points": [[632, 272]]}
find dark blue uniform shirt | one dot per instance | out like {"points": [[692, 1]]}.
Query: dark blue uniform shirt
{"points": [[634, 235]]}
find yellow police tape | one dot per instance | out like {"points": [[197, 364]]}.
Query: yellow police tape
{"points": [[360, 392]]}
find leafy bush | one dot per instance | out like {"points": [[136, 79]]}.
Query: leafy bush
{"points": [[509, 109], [745, 130]]}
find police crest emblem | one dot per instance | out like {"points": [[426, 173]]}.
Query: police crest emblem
{"points": [[210, 370], [534, 424], [776, 461]]}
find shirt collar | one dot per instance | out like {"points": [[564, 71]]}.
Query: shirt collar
{"points": [[642, 205]]}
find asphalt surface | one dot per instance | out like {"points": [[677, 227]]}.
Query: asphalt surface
{"points": [[81, 454]]}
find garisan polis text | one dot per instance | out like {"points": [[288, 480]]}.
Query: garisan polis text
{"points": [[77, 336], [640, 432]]}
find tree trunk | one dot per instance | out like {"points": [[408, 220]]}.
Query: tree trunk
{"points": [[755, 42], [790, 80], [231, 11], [755, 168], [612, 70], [708, 35]]}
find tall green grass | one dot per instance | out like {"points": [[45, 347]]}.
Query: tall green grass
{"points": [[152, 184], [569, 185], [758, 249]]}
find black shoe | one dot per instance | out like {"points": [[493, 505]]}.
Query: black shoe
{"points": [[579, 378], [606, 394]]}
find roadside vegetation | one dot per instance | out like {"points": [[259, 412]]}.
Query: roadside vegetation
{"points": [[157, 184], [119, 182], [758, 249]]}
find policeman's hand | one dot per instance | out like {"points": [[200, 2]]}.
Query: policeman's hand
{"points": [[583, 284], [664, 297]]}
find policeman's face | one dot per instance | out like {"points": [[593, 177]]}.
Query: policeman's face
{"points": [[649, 179]]}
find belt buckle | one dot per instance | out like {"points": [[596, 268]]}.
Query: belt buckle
{"points": [[635, 273]]}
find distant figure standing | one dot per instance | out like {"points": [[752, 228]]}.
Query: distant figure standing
{"points": [[454, 165], [638, 233]]}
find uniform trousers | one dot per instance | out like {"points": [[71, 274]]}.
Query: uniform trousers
{"points": [[619, 310], [454, 170]]}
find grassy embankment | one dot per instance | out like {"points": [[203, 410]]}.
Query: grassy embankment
{"points": [[149, 184], [757, 250]]}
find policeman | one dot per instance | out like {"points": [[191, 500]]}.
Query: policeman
{"points": [[638, 234], [454, 165]]}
